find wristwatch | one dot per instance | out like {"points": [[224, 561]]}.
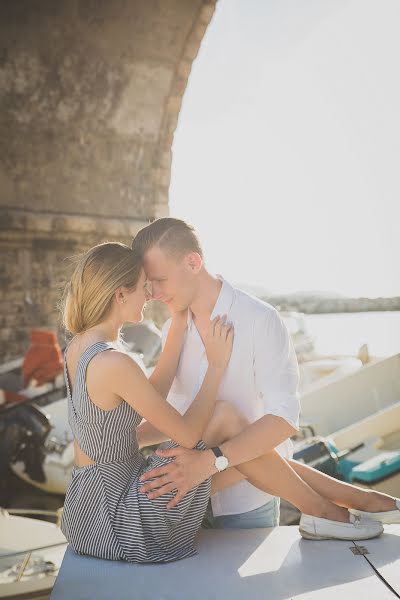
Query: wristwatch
{"points": [[221, 462]]}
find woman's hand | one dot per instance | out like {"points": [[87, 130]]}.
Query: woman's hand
{"points": [[189, 468], [218, 343]]}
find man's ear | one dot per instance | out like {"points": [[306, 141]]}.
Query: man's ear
{"points": [[194, 261]]}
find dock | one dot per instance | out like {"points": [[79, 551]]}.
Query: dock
{"points": [[273, 564]]}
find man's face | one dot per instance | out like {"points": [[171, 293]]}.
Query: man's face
{"points": [[173, 281]]}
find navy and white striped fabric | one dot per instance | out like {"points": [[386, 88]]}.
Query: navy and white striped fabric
{"points": [[104, 513]]}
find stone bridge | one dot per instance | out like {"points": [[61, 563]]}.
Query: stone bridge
{"points": [[90, 96]]}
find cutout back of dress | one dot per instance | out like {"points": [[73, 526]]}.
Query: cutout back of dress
{"points": [[103, 435]]}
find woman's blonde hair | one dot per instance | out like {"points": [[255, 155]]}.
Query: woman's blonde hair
{"points": [[98, 274]]}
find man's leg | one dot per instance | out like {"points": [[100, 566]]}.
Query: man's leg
{"points": [[276, 476], [264, 516], [270, 472]]}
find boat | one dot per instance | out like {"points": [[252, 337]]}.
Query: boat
{"points": [[36, 376], [45, 457], [323, 370], [296, 324], [53, 452], [144, 339], [348, 400], [23, 432], [31, 553], [374, 461], [366, 454], [350, 429]]}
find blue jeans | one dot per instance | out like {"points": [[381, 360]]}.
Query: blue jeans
{"points": [[265, 516]]}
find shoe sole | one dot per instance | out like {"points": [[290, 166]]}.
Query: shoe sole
{"points": [[312, 536]]}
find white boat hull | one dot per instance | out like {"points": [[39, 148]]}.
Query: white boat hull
{"points": [[380, 433], [355, 397], [317, 373], [59, 458], [24, 571]]}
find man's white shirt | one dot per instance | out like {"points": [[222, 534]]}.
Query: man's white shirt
{"points": [[262, 378]]}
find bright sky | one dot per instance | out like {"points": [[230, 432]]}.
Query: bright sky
{"points": [[287, 152]]}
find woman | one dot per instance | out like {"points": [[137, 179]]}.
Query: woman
{"points": [[106, 514]]}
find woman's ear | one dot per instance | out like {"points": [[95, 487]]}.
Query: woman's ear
{"points": [[120, 295]]}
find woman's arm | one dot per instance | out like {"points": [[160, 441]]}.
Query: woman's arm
{"points": [[120, 374], [148, 435], [163, 375]]}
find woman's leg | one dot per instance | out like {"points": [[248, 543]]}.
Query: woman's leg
{"points": [[311, 491], [341, 493], [270, 472]]}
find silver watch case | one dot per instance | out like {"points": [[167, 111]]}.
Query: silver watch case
{"points": [[221, 463]]}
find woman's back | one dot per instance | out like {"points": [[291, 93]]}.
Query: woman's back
{"points": [[105, 514], [104, 435]]}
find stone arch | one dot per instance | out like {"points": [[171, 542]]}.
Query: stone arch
{"points": [[173, 105], [90, 93]]}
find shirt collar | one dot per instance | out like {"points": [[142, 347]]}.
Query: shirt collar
{"points": [[224, 301]]}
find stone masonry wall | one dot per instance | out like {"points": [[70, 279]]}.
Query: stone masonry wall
{"points": [[90, 93]]}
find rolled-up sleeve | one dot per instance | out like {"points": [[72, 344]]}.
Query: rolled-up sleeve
{"points": [[276, 369]]}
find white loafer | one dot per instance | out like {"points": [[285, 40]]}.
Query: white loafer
{"points": [[387, 516], [358, 528]]}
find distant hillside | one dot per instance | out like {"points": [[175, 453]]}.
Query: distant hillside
{"points": [[310, 294], [260, 291], [320, 301], [312, 304], [254, 290]]}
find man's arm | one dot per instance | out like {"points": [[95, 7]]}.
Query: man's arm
{"points": [[276, 375], [190, 467], [257, 439]]}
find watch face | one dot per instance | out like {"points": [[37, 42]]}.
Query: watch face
{"points": [[221, 462]]}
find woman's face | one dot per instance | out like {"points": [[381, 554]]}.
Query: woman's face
{"points": [[136, 300]]}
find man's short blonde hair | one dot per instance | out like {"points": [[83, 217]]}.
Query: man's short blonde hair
{"points": [[174, 236]]}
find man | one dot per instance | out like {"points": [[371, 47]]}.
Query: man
{"points": [[261, 379]]}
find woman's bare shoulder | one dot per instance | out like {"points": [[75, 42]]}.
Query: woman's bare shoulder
{"points": [[115, 362]]}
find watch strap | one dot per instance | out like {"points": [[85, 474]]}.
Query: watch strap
{"points": [[217, 451]]}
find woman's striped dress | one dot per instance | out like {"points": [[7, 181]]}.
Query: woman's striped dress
{"points": [[104, 513]]}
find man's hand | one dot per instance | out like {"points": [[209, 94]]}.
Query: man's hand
{"points": [[189, 469]]}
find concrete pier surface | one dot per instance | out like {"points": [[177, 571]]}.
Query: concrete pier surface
{"points": [[250, 563]]}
